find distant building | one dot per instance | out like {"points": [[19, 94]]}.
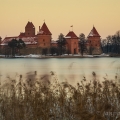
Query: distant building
{"points": [[54, 43], [72, 42], [43, 39], [29, 37], [94, 41], [29, 30]]}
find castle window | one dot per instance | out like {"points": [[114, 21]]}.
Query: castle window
{"points": [[44, 44], [28, 33], [90, 41], [96, 44], [43, 40]]}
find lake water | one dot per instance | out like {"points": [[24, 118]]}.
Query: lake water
{"points": [[66, 69]]}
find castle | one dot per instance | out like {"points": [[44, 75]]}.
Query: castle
{"points": [[43, 39]]}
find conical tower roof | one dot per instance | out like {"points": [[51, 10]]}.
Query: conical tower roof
{"points": [[30, 24], [71, 34], [93, 33], [44, 29]]}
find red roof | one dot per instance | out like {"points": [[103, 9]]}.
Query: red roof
{"points": [[71, 34], [44, 30], [22, 35], [94, 33], [6, 40], [30, 24], [27, 40]]}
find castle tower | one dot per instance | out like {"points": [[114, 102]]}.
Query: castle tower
{"points": [[94, 40], [44, 36], [72, 42], [29, 29]]}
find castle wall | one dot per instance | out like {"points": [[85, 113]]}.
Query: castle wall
{"points": [[94, 45], [54, 44], [72, 45], [94, 41], [29, 31], [44, 41], [31, 46]]}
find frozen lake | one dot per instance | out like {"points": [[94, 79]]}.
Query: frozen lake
{"points": [[66, 69]]}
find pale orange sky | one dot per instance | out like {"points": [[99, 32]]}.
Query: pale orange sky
{"points": [[59, 15]]}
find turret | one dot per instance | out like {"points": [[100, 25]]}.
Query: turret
{"points": [[44, 36], [29, 29], [94, 42], [72, 42]]}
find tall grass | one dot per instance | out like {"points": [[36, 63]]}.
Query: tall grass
{"points": [[35, 99]]}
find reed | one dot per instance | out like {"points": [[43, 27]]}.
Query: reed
{"points": [[35, 99]]}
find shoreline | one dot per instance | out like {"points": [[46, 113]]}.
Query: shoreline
{"points": [[61, 56], [45, 57]]}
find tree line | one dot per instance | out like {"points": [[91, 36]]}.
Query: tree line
{"points": [[111, 45], [14, 47]]}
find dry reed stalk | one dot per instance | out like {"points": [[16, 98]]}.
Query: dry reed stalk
{"points": [[34, 100]]}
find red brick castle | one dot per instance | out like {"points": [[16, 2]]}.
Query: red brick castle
{"points": [[43, 39]]}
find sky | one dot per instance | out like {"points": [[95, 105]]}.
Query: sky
{"points": [[59, 15]]}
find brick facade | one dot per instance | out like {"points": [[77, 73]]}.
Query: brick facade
{"points": [[94, 42], [72, 42], [29, 29], [44, 37], [44, 41]]}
